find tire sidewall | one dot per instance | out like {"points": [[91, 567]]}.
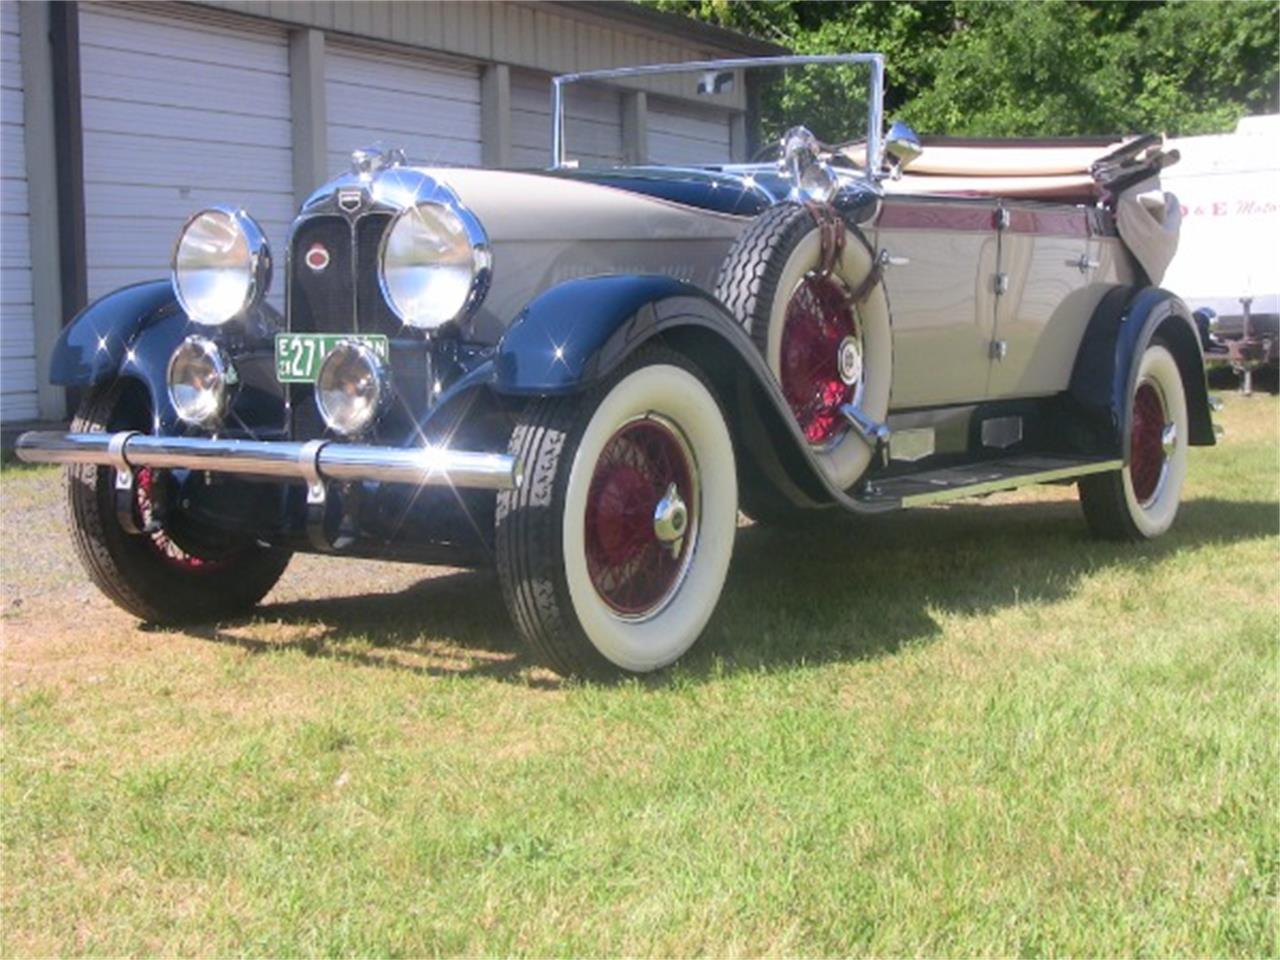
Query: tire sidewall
{"points": [[1159, 367], [846, 457], [681, 397]]}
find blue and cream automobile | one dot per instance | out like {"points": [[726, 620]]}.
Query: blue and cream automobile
{"points": [[582, 375]]}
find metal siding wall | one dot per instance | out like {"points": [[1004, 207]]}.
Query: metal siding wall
{"points": [[427, 105], [593, 128], [178, 115], [684, 133], [17, 329]]}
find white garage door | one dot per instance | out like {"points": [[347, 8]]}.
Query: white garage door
{"points": [[687, 133], [430, 107], [178, 114], [17, 332], [593, 122]]}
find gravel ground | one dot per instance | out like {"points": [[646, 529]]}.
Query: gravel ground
{"points": [[56, 625]]}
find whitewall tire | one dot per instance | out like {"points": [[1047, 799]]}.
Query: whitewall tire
{"points": [[614, 551], [1141, 501]]}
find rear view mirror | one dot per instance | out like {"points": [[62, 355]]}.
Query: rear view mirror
{"points": [[715, 81], [902, 146]]}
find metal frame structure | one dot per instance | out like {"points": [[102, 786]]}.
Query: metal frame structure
{"points": [[875, 108]]}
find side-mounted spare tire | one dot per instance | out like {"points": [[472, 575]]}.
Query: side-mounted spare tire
{"points": [[807, 289]]}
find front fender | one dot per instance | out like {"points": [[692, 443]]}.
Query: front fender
{"points": [[1106, 368], [97, 342], [133, 332], [573, 335]]}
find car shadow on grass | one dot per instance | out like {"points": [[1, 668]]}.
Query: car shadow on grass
{"points": [[848, 589]]}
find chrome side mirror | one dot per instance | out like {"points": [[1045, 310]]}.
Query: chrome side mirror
{"points": [[902, 146], [714, 82]]}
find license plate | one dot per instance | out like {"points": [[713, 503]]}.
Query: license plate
{"points": [[299, 355]]}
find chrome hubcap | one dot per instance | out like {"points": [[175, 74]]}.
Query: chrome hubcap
{"points": [[1169, 439], [671, 520]]}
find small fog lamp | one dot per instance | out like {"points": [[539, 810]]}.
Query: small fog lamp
{"points": [[200, 379], [353, 388]]}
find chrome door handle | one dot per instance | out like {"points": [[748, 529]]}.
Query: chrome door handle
{"points": [[1084, 263], [886, 259]]}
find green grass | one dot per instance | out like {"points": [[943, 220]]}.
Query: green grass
{"points": [[958, 731]]}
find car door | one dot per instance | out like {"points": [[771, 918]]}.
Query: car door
{"points": [[939, 260], [1049, 277]]}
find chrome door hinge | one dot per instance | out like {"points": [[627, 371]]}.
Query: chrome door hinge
{"points": [[999, 349], [1001, 284], [1084, 263], [1002, 218], [886, 259]]}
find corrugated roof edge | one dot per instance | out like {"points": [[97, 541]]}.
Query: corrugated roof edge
{"points": [[721, 38]]}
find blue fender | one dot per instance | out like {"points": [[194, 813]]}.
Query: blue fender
{"points": [[95, 345], [573, 335], [132, 332], [1106, 369]]}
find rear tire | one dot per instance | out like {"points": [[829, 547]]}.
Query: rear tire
{"points": [[1141, 501], [150, 575], [595, 583]]}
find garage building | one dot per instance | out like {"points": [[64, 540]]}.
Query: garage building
{"points": [[120, 119]]}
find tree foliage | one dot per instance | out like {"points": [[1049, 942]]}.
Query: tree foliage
{"points": [[1025, 68]]}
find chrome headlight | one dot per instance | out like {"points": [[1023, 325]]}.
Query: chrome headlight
{"points": [[352, 388], [221, 265], [200, 380], [812, 178], [433, 264]]}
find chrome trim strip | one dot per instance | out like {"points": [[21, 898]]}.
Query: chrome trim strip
{"points": [[1011, 483], [425, 466]]}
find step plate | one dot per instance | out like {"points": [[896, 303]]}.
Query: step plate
{"points": [[976, 479]]}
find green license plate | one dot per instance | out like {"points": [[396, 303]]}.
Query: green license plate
{"points": [[299, 355]]}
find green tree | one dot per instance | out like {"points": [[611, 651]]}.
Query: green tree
{"points": [[982, 68]]}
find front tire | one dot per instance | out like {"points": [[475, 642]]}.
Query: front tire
{"points": [[161, 576], [613, 552], [1141, 501]]}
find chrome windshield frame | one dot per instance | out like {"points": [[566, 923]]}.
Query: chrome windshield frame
{"points": [[875, 106]]}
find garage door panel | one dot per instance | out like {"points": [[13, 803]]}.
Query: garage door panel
{"points": [[112, 158], [405, 112], [10, 64], [15, 285], [687, 133], [593, 122], [182, 39], [17, 329], [179, 114], [426, 105], [131, 202], [124, 76], [371, 72], [198, 126]]}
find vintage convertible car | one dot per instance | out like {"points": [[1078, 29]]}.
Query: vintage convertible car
{"points": [[582, 375]]}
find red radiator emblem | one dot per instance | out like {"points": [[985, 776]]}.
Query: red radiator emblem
{"points": [[317, 257]]}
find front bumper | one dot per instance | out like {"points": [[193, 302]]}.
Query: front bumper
{"points": [[313, 462]]}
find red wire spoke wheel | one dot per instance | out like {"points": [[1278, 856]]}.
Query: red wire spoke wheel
{"points": [[644, 465], [819, 325], [1147, 455], [144, 500]]}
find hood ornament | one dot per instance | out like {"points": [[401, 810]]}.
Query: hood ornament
{"points": [[368, 162]]}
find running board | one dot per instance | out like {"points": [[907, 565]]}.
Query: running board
{"points": [[977, 479]]}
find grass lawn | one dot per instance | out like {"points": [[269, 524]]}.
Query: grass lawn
{"points": [[964, 730]]}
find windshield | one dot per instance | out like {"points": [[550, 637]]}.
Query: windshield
{"points": [[716, 112]]}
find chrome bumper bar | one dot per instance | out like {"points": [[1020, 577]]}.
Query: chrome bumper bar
{"points": [[310, 462]]}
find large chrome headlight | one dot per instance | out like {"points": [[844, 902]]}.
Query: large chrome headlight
{"points": [[221, 265], [433, 264], [200, 381]]}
